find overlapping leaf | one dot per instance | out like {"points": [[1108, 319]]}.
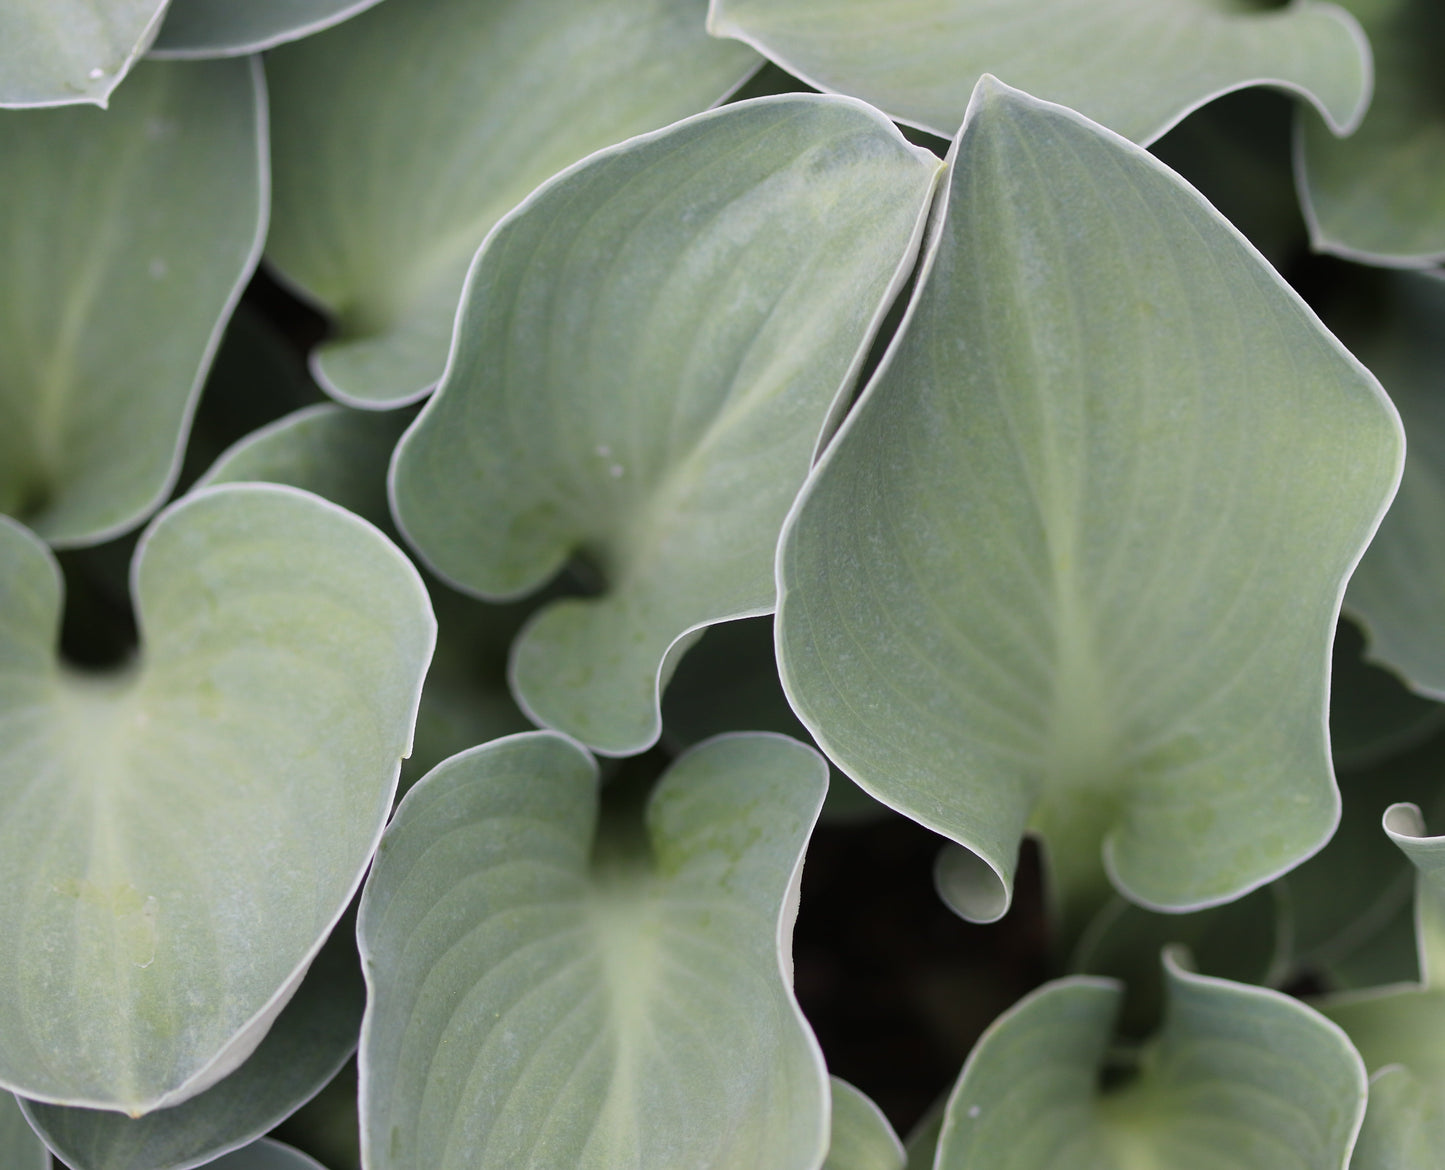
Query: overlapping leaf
{"points": [[1137, 66], [224, 28], [647, 355], [1237, 1076], [548, 991], [311, 1039], [266, 1155], [861, 1138], [404, 134], [20, 1149], [178, 836], [125, 237], [63, 52], [1400, 1031], [1379, 195], [1073, 564]]}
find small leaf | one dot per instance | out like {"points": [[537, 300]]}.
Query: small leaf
{"points": [[1238, 1076], [20, 1149], [647, 356], [126, 236], [224, 28], [1073, 564], [310, 1041], [1379, 195], [548, 991], [1137, 66], [861, 1137], [63, 52], [1398, 591], [180, 835], [392, 166]]}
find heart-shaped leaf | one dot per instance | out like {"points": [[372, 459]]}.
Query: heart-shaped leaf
{"points": [[1238, 1077], [1073, 564], [647, 355], [224, 28], [1398, 592], [310, 1040], [1404, 1027], [547, 990], [1137, 66], [126, 236], [20, 1148], [861, 1138], [391, 167], [1379, 195], [179, 836], [63, 52]]}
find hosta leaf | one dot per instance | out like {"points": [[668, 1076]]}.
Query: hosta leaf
{"points": [[341, 455], [861, 1138], [1398, 592], [646, 357], [1137, 66], [1379, 195], [224, 28], [266, 1155], [548, 992], [20, 1149], [1402, 1028], [125, 237], [1237, 1077], [310, 1040], [1073, 564], [404, 134], [62, 52], [179, 835]]}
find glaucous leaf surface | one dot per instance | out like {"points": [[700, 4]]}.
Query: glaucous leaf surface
{"points": [[126, 235], [341, 455], [1238, 1077], [63, 52], [860, 1138], [266, 1155], [1137, 66], [1379, 195], [404, 134], [551, 990], [1398, 591], [20, 1148], [226, 28], [648, 353], [179, 835], [1404, 1026], [306, 1046], [1073, 564]]}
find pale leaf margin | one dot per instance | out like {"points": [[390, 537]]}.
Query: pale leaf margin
{"points": [[833, 419], [950, 868], [259, 44]]}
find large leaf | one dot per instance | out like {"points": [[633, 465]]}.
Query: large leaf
{"points": [[1403, 1027], [1398, 592], [125, 237], [549, 991], [404, 134], [341, 455], [1073, 564], [1137, 66], [648, 353], [178, 836], [20, 1149], [1237, 1077], [1379, 195], [62, 52], [225, 28], [860, 1138], [310, 1040]]}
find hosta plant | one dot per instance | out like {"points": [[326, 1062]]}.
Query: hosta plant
{"points": [[667, 585]]}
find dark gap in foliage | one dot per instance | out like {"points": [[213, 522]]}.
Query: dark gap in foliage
{"points": [[302, 325], [621, 845], [327, 1127], [97, 627], [1119, 1070], [896, 986], [769, 80]]}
